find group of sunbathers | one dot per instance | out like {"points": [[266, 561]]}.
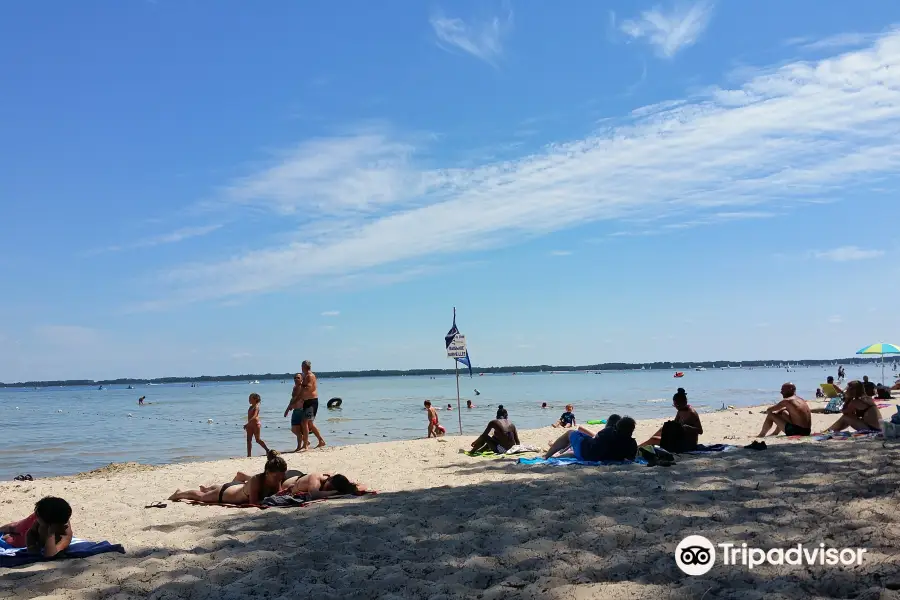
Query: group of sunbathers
{"points": [[793, 416], [276, 479]]}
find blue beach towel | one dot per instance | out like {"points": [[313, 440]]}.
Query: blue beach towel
{"points": [[565, 462], [16, 557]]}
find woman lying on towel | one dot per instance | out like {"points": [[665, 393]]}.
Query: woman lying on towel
{"points": [[250, 490], [321, 485]]}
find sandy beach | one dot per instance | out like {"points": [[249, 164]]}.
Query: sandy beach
{"points": [[445, 525]]}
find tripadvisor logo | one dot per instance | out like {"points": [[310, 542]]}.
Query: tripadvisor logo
{"points": [[696, 555]]}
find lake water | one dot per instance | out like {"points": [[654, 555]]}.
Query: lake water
{"points": [[59, 431]]}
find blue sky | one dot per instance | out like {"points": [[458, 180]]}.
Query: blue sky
{"points": [[222, 187]]}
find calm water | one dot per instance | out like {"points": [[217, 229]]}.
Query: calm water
{"points": [[58, 431]]}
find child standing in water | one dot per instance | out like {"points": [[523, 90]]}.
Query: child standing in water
{"points": [[434, 427], [254, 425]]}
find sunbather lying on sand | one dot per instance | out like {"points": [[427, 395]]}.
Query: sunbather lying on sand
{"points": [[791, 415], [860, 411], [321, 485], [250, 491]]}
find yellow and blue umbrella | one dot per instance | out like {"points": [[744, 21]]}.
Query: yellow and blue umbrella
{"points": [[882, 349]]}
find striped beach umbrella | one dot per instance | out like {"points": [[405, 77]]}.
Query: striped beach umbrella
{"points": [[882, 349]]}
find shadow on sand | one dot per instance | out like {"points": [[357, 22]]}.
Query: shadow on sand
{"points": [[567, 533]]}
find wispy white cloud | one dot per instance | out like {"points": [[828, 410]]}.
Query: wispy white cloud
{"points": [[173, 237], [834, 42], [803, 132], [331, 313], [670, 30], [481, 39], [835, 319], [560, 253], [239, 355], [848, 253]]}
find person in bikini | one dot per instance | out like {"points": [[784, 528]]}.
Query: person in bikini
{"points": [[320, 485], [791, 415], [254, 426], [860, 411], [248, 492], [681, 434], [503, 438]]}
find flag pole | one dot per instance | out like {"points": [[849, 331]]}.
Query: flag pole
{"points": [[458, 407]]}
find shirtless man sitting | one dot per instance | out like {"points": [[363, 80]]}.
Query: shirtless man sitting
{"points": [[687, 419], [791, 415], [860, 411], [503, 438]]}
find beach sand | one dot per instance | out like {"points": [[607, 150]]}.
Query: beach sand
{"points": [[445, 525]]}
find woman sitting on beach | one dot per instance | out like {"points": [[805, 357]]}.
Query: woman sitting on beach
{"points": [[860, 411], [503, 438], [241, 493]]}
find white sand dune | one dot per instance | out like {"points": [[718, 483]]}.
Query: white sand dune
{"points": [[445, 525]]}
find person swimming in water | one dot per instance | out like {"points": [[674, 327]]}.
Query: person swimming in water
{"points": [[249, 492]]}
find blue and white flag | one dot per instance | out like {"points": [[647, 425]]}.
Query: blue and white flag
{"points": [[448, 339]]}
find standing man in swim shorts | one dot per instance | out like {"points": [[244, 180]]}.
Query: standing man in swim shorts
{"points": [[296, 405], [309, 393]]}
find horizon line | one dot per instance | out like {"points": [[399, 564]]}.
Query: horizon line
{"points": [[608, 366]]}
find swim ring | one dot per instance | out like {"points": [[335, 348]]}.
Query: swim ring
{"points": [[334, 403]]}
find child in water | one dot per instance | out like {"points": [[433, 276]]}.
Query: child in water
{"points": [[567, 419], [254, 425], [449, 407], [434, 427], [47, 531]]}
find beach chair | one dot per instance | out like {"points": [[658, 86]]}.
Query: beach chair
{"points": [[829, 390]]}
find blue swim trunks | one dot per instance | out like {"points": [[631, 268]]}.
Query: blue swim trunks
{"points": [[296, 417], [575, 439]]}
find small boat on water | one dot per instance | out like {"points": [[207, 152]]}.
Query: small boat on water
{"points": [[700, 369], [253, 382], [130, 387], [679, 374]]}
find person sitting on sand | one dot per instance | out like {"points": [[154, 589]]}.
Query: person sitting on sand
{"points": [[503, 438], [46, 531], [869, 386], [860, 411], [567, 419], [791, 415], [254, 426], [320, 485], [241, 492], [830, 380], [681, 434], [613, 442], [434, 425]]}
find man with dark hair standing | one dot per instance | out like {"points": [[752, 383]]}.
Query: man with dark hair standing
{"points": [[305, 401]]}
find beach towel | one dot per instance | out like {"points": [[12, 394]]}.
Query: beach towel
{"points": [[16, 557], [281, 500], [845, 435], [705, 449], [567, 461], [884, 405], [518, 449], [597, 422]]}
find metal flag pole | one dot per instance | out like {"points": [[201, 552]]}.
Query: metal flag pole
{"points": [[458, 406]]}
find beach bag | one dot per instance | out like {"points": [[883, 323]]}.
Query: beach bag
{"points": [[672, 438]]}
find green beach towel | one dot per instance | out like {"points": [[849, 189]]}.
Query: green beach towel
{"points": [[597, 422]]}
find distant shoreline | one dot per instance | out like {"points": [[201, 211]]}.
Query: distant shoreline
{"points": [[655, 366]]}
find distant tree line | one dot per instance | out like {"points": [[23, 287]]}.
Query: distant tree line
{"points": [[666, 366]]}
